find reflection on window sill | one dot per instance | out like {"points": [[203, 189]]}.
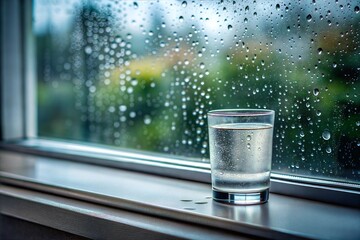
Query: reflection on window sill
{"points": [[282, 217], [344, 194]]}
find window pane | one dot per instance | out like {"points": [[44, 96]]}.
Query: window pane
{"points": [[143, 75]]}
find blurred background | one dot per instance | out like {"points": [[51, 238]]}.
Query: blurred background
{"points": [[143, 74]]}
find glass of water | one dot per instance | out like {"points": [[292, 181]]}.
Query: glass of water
{"points": [[240, 154]]}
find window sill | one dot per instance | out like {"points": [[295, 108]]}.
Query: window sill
{"points": [[90, 194]]}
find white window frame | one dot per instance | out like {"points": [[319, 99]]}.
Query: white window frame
{"points": [[18, 124]]}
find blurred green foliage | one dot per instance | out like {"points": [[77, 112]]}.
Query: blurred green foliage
{"points": [[157, 101]]}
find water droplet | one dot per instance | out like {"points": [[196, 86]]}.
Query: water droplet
{"points": [[277, 7], [247, 8], [132, 114], [302, 134], [88, 50], [122, 108], [92, 89], [245, 20], [357, 9], [129, 36], [202, 65], [136, 5], [316, 91], [248, 146], [200, 202], [184, 4], [111, 109], [162, 44], [248, 137], [320, 50], [221, 173], [318, 113], [326, 134], [230, 27], [186, 200], [334, 65], [328, 149], [189, 208], [309, 18], [181, 18], [147, 120]]}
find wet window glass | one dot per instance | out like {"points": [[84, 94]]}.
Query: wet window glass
{"points": [[143, 74]]}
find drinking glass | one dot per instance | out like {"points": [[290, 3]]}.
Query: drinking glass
{"points": [[240, 142]]}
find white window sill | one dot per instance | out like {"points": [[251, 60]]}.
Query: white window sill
{"points": [[173, 207]]}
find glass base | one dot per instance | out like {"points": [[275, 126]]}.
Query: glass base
{"points": [[241, 198]]}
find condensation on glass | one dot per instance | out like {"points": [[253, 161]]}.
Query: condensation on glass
{"points": [[143, 75]]}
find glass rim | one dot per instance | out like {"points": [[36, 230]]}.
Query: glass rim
{"points": [[241, 112]]}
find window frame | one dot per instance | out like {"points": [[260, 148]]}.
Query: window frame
{"points": [[18, 124]]}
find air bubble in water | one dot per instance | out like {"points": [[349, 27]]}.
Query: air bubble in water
{"points": [[326, 134]]}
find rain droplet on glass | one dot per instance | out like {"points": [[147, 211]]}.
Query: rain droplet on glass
{"points": [[320, 50], [309, 18], [357, 9], [316, 91], [326, 134], [328, 150]]}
